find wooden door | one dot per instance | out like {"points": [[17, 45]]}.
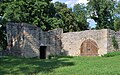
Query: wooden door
{"points": [[89, 48]]}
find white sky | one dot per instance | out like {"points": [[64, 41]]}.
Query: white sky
{"points": [[71, 3]]}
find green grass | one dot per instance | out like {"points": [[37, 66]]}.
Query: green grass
{"points": [[61, 66], [111, 54]]}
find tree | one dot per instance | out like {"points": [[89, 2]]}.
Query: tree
{"points": [[67, 16], [3, 42], [55, 23], [29, 11], [117, 24], [81, 16], [101, 11], [62, 12], [117, 17]]}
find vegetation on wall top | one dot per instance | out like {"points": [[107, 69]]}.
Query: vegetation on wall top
{"points": [[115, 43]]}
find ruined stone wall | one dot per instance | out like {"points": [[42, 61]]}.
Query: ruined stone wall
{"points": [[117, 35], [54, 38], [112, 33], [23, 39], [13, 38], [71, 41]]}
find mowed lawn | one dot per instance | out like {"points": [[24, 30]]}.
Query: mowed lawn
{"points": [[61, 66]]}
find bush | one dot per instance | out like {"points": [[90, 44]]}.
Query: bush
{"points": [[1, 49], [111, 54], [115, 43]]}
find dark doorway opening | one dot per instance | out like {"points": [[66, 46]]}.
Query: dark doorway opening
{"points": [[43, 52]]}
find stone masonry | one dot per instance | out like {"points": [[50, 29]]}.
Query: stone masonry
{"points": [[72, 41], [26, 40]]}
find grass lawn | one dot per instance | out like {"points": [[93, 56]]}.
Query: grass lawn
{"points": [[61, 66]]}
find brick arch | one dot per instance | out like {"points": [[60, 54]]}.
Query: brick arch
{"points": [[89, 48]]}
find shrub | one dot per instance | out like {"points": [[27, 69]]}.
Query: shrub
{"points": [[111, 54], [115, 43], [52, 56]]}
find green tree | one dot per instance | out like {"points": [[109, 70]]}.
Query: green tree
{"points": [[73, 20], [117, 24], [67, 16], [101, 11], [55, 23], [3, 42], [29, 11], [81, 16], [117, 17]]}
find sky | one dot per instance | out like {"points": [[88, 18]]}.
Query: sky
{"points": [[71, 3]]}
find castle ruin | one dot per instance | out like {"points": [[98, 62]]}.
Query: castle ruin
{"points": [[30, 41]]}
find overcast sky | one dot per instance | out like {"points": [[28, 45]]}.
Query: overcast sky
{"points": [[71, 3]]}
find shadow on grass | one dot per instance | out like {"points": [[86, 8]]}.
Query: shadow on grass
{"points": [[64, 56], [11, 65]]}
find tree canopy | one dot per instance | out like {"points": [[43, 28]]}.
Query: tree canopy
{"points": [[80, 12], [102, 12]]}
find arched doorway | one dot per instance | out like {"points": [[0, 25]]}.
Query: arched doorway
{"points": [[89, 48]]}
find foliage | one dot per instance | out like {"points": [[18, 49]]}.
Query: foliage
{"points": [[55, 23], [117, 17], [41, 13], [73, 20], [102, 12], [115, 43], [3, 38], [117, 9], [111, 54], [81, 16], [117, 24], [60, 66], [29, 11]]}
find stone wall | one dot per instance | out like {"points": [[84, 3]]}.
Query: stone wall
{"points": [[112, 33], [72, 41], [54, 38], [117, 35], [25, 40]]}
